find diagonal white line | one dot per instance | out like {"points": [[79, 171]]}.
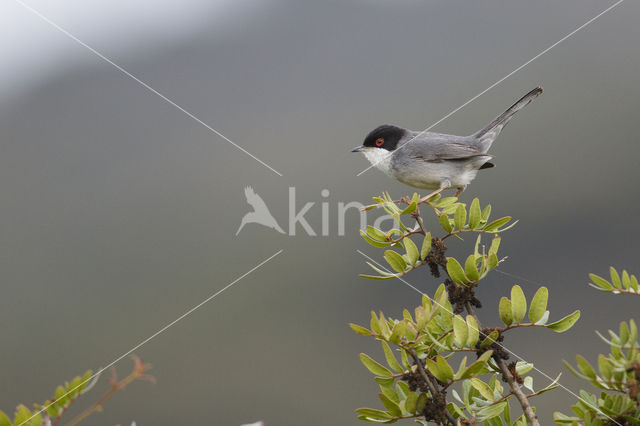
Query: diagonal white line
{"points": [[497, 343], [162, 330], [502, 79], [142, 83]]}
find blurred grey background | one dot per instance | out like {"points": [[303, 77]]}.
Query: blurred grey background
{"points": [[119, 212]]}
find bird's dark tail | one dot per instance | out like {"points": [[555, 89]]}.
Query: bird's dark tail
{"points": [[491, 131]]}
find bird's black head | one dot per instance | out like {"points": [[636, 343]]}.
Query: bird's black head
{"points": [[386, 136]]}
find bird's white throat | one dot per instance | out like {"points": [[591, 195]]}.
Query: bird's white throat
{"points": [[380, 158]]}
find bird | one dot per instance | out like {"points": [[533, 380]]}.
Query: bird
{"points": [[260, 213], [436, 161]]}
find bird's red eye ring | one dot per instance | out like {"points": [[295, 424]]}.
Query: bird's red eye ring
{"points": [[379, 142]]}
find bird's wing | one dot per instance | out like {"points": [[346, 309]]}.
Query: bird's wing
{"points": [[254, 199], [437, 148]]}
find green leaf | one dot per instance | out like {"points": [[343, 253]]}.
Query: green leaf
{"points": [[490, 339], [412, 251], [474, 332], [22, 415], [411, 402], [426, 246], [376, 277], [380, 271], [61, 397], [412, 207], [484, 389], [445, 223], [518, 304], [477, 366], [376, 233], [372, 241], [496, 224], [470, 269], [389, 392], [374, 367], [4, 419], [600, 282], [565, 323], [460, 332], [460, 216], [615, 278], [505, 312], [396, 261], [538, 305], [421, 403], [495, 245], [359, 329], [392, 407], [491, 411], [399, 330], [440, 369], [475, 215], [456, 272], [486, 212], [391, 359], [374, 414]]}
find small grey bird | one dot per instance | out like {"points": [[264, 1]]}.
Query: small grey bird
{"points": [[437, 161]]}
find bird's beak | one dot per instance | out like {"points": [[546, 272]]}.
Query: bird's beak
{"points": [[358, 148]]}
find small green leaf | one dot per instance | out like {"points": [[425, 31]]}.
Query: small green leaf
{"points": [[474, 332], [440, 369], [374, 367], [392, 407], [426, 246], [411, 402], [495, 245], [360, 329], [22, 415], [477, 366], [374, 414], [538, 305], [490, 339], [504, 309], [455, 271], [518, 304], [460, 216], [475, 215], [421, 403], [615, 278], [600, 282], [396, 261], [375, 277], [445, 223], [484, 389], [470, 268], [491, 411], [412, 207], [412, 251], [4, 419], [372, 241], [565, 323], [496, 224], [391, 359], [460, 332]]}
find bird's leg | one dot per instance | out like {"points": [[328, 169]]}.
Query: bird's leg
{"points": [[444, 185], [460, 189]]}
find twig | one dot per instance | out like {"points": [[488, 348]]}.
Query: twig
{"points": [[517, 391], [137, 374], [430, 384]]}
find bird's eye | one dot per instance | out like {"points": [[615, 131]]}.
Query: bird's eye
{"points": [[379, 142]]}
